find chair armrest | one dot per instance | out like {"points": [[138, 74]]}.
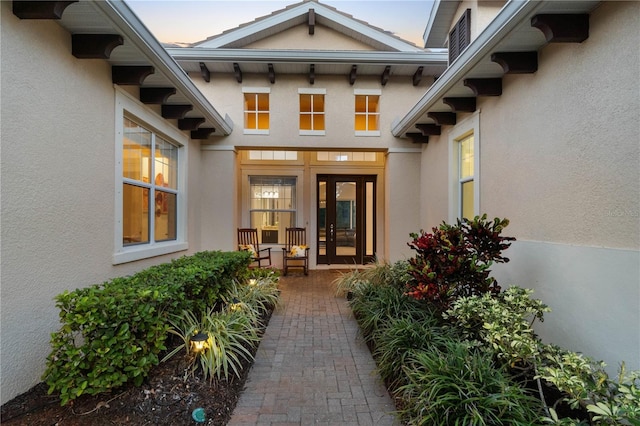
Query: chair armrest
{"points": [[265, 249]]}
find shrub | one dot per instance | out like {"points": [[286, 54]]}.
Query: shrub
{"points": [[113, 333], [454, 260], [461, 385]]}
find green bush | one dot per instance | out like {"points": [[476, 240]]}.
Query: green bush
{"points": [[461, 385], [113, 333]]}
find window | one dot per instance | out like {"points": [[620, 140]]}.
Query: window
{"points": [[346, 156], [367, 112], [149, 186], [150, 183], [464, 168], [272, 206], [460, 36], [312, 111], [267, 155], [465, 178], [256, 110]]}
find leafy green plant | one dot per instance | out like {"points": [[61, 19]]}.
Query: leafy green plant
{"points": [[113, 333], [396, 342], [503, 321], [453, 260], [461, 385], [231, 336]]}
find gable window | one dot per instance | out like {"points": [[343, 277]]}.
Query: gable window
{"points": [[256, 110], [460, 36], [312, 111], [150, 184], [367, 112]]}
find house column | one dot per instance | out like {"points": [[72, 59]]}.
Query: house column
{"points": [[402, 201], [218, 192]]}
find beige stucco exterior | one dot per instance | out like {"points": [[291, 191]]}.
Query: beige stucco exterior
{"points": [[560, 158]]}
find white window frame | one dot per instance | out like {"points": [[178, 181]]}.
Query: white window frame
{"points": [[127, 105], [466, 127], [256, 90], [307, 91], [368, 92]]}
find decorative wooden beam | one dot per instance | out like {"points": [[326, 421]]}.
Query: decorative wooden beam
{"points": [[272, 74], [175, 110], [461, 104], [312, 74], [204, 71], [417, 76], [429, 129], [40, 9], [130, 75], [563, 28], [352, 74], [484, 86], [238, 72], [156, 95], [385, 75], [312, 21], [202, 133], [418, 138], [516, 62], [443, 118], [94, 46], [190, 123]]}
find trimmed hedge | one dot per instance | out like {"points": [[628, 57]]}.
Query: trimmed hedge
{"points": [[113, 332]]}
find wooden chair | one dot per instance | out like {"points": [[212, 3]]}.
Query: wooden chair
{"points": [[248, 240], [295, 252]]}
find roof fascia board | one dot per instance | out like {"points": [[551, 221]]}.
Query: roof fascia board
{"points": [[285, 15], [126, 21], [305, 56], [442, 12], [509, 17]]}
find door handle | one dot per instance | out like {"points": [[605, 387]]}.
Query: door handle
{"points": [[331, 232]]}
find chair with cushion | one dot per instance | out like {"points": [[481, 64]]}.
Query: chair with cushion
{"points": [[295, 253], [248, 240]]}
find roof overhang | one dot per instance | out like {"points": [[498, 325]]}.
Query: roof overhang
{"points": [[437, 30], [510, 31], [141, 48]]}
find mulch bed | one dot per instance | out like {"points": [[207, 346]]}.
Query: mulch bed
{"points": [[165, 398]]}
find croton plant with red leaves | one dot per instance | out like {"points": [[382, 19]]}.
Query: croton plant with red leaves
{"points": [[453, 260]]}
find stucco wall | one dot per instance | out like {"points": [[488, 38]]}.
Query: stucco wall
{"points": [[58, 188], [559, 157]]}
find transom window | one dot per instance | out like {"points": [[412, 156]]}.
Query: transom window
{"points": [[367, 112], [150, 186], [312, 115], [256, 110]]}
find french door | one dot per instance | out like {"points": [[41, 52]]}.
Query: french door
{"points": [[346, 219]]}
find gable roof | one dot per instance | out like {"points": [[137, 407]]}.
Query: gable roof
{"points": [[297, 14]]}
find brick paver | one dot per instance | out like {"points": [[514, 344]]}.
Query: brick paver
{"points": [[312, 368]]}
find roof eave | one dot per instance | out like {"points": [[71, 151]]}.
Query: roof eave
{"points": [[127, 22], [440, 18], [508, 18]]}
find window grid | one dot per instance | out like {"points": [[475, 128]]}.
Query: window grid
{"points": [[256, 112], [139, 215], [367, 113], [312, 114]]}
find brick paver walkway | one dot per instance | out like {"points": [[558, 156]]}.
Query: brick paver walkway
{"points": [[312, 368]]}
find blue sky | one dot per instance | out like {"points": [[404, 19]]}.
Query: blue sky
{"points": [[189, 21]]}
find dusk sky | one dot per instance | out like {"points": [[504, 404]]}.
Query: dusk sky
{"points": [[195, 20]]}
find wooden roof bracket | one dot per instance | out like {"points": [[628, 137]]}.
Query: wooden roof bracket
{"points": [[94, 46], [40, 9], [516, 62], [563, 28]]}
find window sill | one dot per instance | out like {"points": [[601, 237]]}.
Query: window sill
{"points": [[368, 133], [312, 133], [131, 254], [256, 132]]}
